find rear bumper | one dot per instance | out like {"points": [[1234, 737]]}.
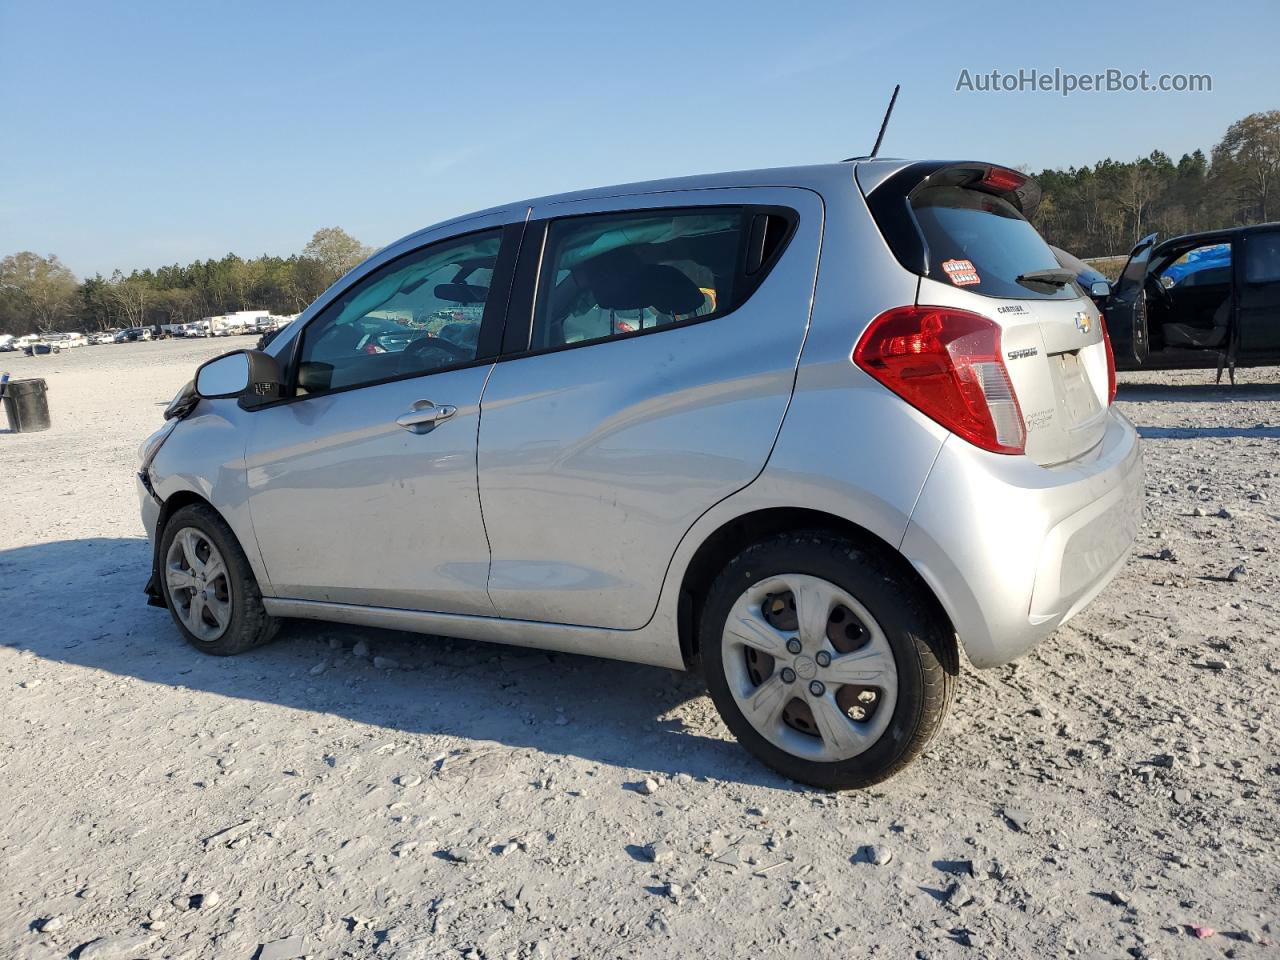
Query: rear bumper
{"points": [[1013, 550]]}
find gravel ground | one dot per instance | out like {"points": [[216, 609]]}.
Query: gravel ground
{"points": [[1114, 794]]}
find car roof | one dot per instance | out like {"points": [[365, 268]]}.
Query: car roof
{"points": [[810, 176], [1214, 236], [800, 176]]}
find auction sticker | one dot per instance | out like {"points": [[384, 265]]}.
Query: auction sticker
{"points": [[961, 272]]}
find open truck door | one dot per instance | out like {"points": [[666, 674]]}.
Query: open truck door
{"points": [[1126, 310]]}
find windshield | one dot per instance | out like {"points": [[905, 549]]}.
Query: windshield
{"points": [[981, 242]]}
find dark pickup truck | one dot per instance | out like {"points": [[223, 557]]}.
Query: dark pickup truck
{"points": [[1202, 300]]}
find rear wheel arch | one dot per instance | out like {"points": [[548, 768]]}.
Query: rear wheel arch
{"points": [[736, 535]]}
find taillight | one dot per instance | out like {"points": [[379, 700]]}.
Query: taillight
{"points": [[1111, 361], [998, 178], [947, 364]]}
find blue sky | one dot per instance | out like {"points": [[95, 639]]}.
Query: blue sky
{"points": [[148, 133]]}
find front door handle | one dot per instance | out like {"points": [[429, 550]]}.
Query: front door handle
{"points": [[425, 415]]}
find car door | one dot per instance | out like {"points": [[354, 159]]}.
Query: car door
{"points": [[651, 351], [362, 483], [1258, 303], [1126, 309]]}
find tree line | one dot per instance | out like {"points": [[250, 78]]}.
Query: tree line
{"points": [[1092, 211], [1104, 209], [39, 294]]}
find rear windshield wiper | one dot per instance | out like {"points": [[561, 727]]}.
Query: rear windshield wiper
{"points": [[1057, 278]]}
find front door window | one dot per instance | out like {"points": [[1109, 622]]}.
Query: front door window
{"points": [[416, 315]]}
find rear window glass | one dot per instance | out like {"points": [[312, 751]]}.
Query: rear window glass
{"points": [[980, 242]]}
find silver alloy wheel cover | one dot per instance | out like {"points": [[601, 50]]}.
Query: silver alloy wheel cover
{"points": [[194, 583], [871, 665]]}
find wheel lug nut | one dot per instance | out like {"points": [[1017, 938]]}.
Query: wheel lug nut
{"points": [[856, 713], [788, 675], [816, 688], [866, 696], [793, 645], [823, 658]]}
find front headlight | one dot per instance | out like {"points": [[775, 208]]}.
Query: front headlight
{"points": [[183, 402]]}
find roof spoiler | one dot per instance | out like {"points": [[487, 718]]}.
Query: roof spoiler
{"points": [[890, 200], [1019, 189]]}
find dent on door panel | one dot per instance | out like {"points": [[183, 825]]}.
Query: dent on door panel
{"points": [[594, 461]]}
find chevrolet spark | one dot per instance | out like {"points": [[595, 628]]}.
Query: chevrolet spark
{"points": [[811, 431]]}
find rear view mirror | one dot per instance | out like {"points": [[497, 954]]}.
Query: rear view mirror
{"points": [[1099, 288], [461, 292], [251, 375]]}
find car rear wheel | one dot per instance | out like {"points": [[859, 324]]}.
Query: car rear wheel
{"points": [[208, 585], [825, 660]]}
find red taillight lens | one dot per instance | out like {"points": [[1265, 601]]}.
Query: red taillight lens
{"points": [[1111, 361], [998, 178], [947, 364]]}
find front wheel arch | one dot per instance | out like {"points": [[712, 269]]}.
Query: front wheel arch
{"points": [[168, 507], [244, 622]]}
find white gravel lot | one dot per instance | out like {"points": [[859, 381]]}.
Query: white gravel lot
{"points": [[1114, 794]]}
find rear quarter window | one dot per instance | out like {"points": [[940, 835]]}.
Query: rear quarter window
{"points": [[980, 242], [1262, 258], [632, 272]]}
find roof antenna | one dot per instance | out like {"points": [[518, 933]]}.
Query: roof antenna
{"points": [[884, 125]]}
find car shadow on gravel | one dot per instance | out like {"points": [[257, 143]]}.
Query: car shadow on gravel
{"points": [[1196, 392], [81, 602], [1191, 433]]}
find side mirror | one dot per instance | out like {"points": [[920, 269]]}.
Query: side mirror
{"points": [[249, 375], [1099, 289]]}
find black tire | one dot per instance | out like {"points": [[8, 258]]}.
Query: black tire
{"points": [[919, 635], [250, 625]]}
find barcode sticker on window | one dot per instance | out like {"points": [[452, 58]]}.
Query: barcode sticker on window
{"points": [[961, 272]]}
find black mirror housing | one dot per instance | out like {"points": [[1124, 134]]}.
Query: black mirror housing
{"points": [[266, 381]]}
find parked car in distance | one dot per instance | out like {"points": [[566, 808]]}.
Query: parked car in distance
{"points": [[42, 347], [133, 334], [1092, 281], [8, 343], [1202, 300], [272, 328], [66, 340], [697, 450]]}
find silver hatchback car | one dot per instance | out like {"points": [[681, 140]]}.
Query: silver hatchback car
{"points": [[810, 431]]}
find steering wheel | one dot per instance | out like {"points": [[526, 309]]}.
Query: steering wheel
{"points": [[1158, 290], [418, 354]]}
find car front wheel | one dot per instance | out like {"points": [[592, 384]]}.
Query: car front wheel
{"points": [[208, 585], [826, 660]]}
